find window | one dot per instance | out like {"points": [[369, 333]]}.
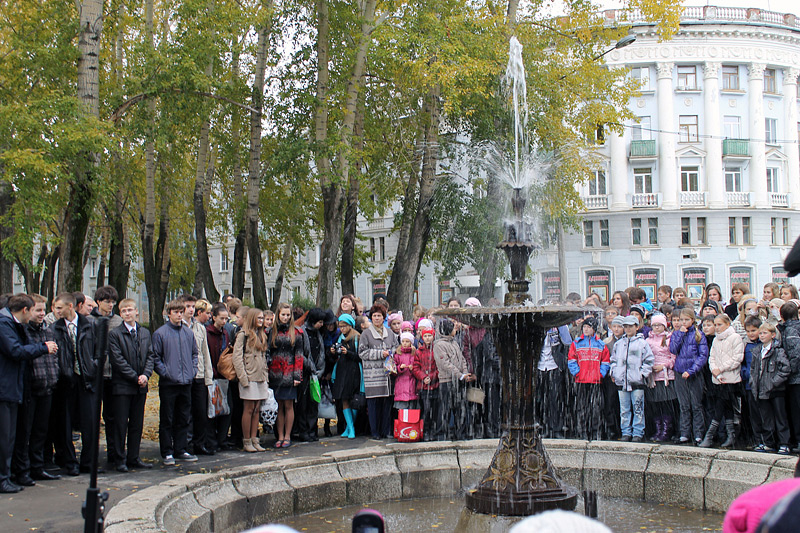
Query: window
{"points": [[687, 78], [372, 248], [773, 184], [786, 231], [604, 233], [747, 237], [730, 78], [636, 231], [702, 235], [733, 127], [588, 234], [271, 294], [733, 180], [223, 262], [770, 86], [771, 130], [732, 231], [652, 231], [597, 184], [686, 231], [690, 179], [382, 249], [643, 180], [641, 130], [773, 229], [317, 254], [600, 134], [93, 267], [687, 128], [642, 74]]}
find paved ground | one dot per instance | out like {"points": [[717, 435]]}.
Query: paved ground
{"points": [[56, 505]]}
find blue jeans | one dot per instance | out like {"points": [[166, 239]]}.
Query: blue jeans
{"points": [[632, 401]]}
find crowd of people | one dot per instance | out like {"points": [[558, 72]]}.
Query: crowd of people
{"points": [[630, 369]]}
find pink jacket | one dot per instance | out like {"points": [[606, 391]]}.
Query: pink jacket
{"points": [[405, 385], [662, 356]]}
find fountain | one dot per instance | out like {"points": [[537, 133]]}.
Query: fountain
{"points": [[520, 480]]}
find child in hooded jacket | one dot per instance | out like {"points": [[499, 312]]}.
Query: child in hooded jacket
{"points": [[427, 376], [631, 365], [660, 394], [725, 362], [769, 372], [405, 386], [588, 362], [691, 354]]}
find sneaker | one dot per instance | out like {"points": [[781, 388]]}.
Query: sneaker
{"points": [[187, 457], [683, 440], [760, 448], [784, 450], [625, 438], [637, 439], [169, 461], [697, 441]]}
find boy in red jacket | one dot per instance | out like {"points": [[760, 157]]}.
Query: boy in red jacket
{"points": [[588, 362]]}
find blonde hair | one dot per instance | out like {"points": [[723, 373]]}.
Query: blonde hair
{"points": [[202, 305], [766, 326], [256, 336], [127, 302]]}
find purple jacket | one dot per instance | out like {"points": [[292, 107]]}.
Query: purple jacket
{"points": [[405, 386], [691, 355]]}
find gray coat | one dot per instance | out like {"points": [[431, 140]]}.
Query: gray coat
{"points": [[631, 362], [768, 373], [175, 354], [790, 342], [370, 349]]}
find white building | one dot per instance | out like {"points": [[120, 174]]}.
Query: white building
{"points": [[705, 186]]}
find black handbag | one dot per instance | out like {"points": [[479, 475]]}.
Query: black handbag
{"points": [[358, 401]]}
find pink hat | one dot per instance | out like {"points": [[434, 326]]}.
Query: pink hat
{"points": [[406, 336], [746, 511], [406, 325], [472, 302], [394, 316], [658, 319]]}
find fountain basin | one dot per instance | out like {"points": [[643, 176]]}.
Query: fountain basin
{"points": [[243, 497]]}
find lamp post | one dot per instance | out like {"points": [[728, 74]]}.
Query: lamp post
{"points": [[622, 43]]}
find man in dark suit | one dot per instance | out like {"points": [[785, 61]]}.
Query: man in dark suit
{"points": [[75, 393], [131, 368], [14, 351]]}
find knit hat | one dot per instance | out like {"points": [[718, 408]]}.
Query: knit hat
{"points": [[711, 304], [330, 318], [746, 511], [557, 521], [394, 316], [658, 319], [591, 322], [425, 331], [348, 319], [782, 517], [472, 302], [619, 320], [777, 302], [424, 323], [406, 325], [638, 309], [406, 336], [630, 320]]}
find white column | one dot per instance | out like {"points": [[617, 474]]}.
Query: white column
{"points": [[619, 173], [668, 172], [790, 133], [758, 159], [715, 177]]}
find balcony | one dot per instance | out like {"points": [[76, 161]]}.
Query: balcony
{"points": [[693, 199], [644, 201], [779, 199], [736, 147], [643, 149], [596, 201], [376, 223], [739, 199]]}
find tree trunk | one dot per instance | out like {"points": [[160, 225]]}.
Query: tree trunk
{"points": [[488, 271], [287, 255], [6, 264], [409, 259], [82, 197], [239, 208], [206, 277], [254, 175], [119, 257]]}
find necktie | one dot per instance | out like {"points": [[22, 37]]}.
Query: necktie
{"points": [[73, 335]]}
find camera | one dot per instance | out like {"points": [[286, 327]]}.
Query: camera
{"points": [[337, 347]]}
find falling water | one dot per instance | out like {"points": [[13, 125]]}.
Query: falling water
{"points": [[516, 84]]}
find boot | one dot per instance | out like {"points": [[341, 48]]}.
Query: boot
{"points": [[326, 428], [731, 429], [350, 431], [667, 427], [658, 436], [248, 446], [257, 445], [708, 441]]}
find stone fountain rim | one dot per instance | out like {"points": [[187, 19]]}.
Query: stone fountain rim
{"points": [[697, 478]]}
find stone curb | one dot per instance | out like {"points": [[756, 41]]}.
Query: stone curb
{"points": [[245, 496]]}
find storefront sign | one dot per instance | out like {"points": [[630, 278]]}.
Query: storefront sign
{"points": [[598, 281], [779, 275], [551, 286], [694, 281], [742, 274], [378, 287], [647, 279]]}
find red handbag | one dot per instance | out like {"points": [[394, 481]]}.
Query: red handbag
{"points": [[408, 425]]}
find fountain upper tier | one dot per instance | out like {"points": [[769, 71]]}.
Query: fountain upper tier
{"points": [[543, 316]]}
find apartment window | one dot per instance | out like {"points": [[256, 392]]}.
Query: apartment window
{"points": [[641, 130], [636, 231], [93, 267], [686, 231], [223, 262], [770, 85], [773, 229], [702, 235], [604, 233], [732, 231], [588, 234], [771, 130], [271, 294], [730, 77], [687, 77], [652, 231], [600, 134], [785, 231], [732, 127], [773, 176], [372, 248], [643, 180], [642, 74], [747, 236], [687, 128], [733, 180], [597, 183], [317, 254], [690, 179], [382, 249]]}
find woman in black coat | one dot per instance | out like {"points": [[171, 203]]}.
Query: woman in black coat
{"points": [[347, 380]]}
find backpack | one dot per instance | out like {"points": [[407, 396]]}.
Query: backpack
{"points": [[225, 363]]}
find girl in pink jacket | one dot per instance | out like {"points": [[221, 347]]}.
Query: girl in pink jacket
{"points": [[660, 393], [405, 385]]}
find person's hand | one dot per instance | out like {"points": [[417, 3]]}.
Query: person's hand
{"points": [[716, 372], [426, 381], [386, 353], [142, 380], [471, 377], [685, 375], [333, 350], [51, 347], [297, 382], [684, 329], [658, 368]]}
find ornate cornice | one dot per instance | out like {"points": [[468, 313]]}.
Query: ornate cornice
{"points": [[664, 70], [711, 69], [790, 76], [755, 71]]}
